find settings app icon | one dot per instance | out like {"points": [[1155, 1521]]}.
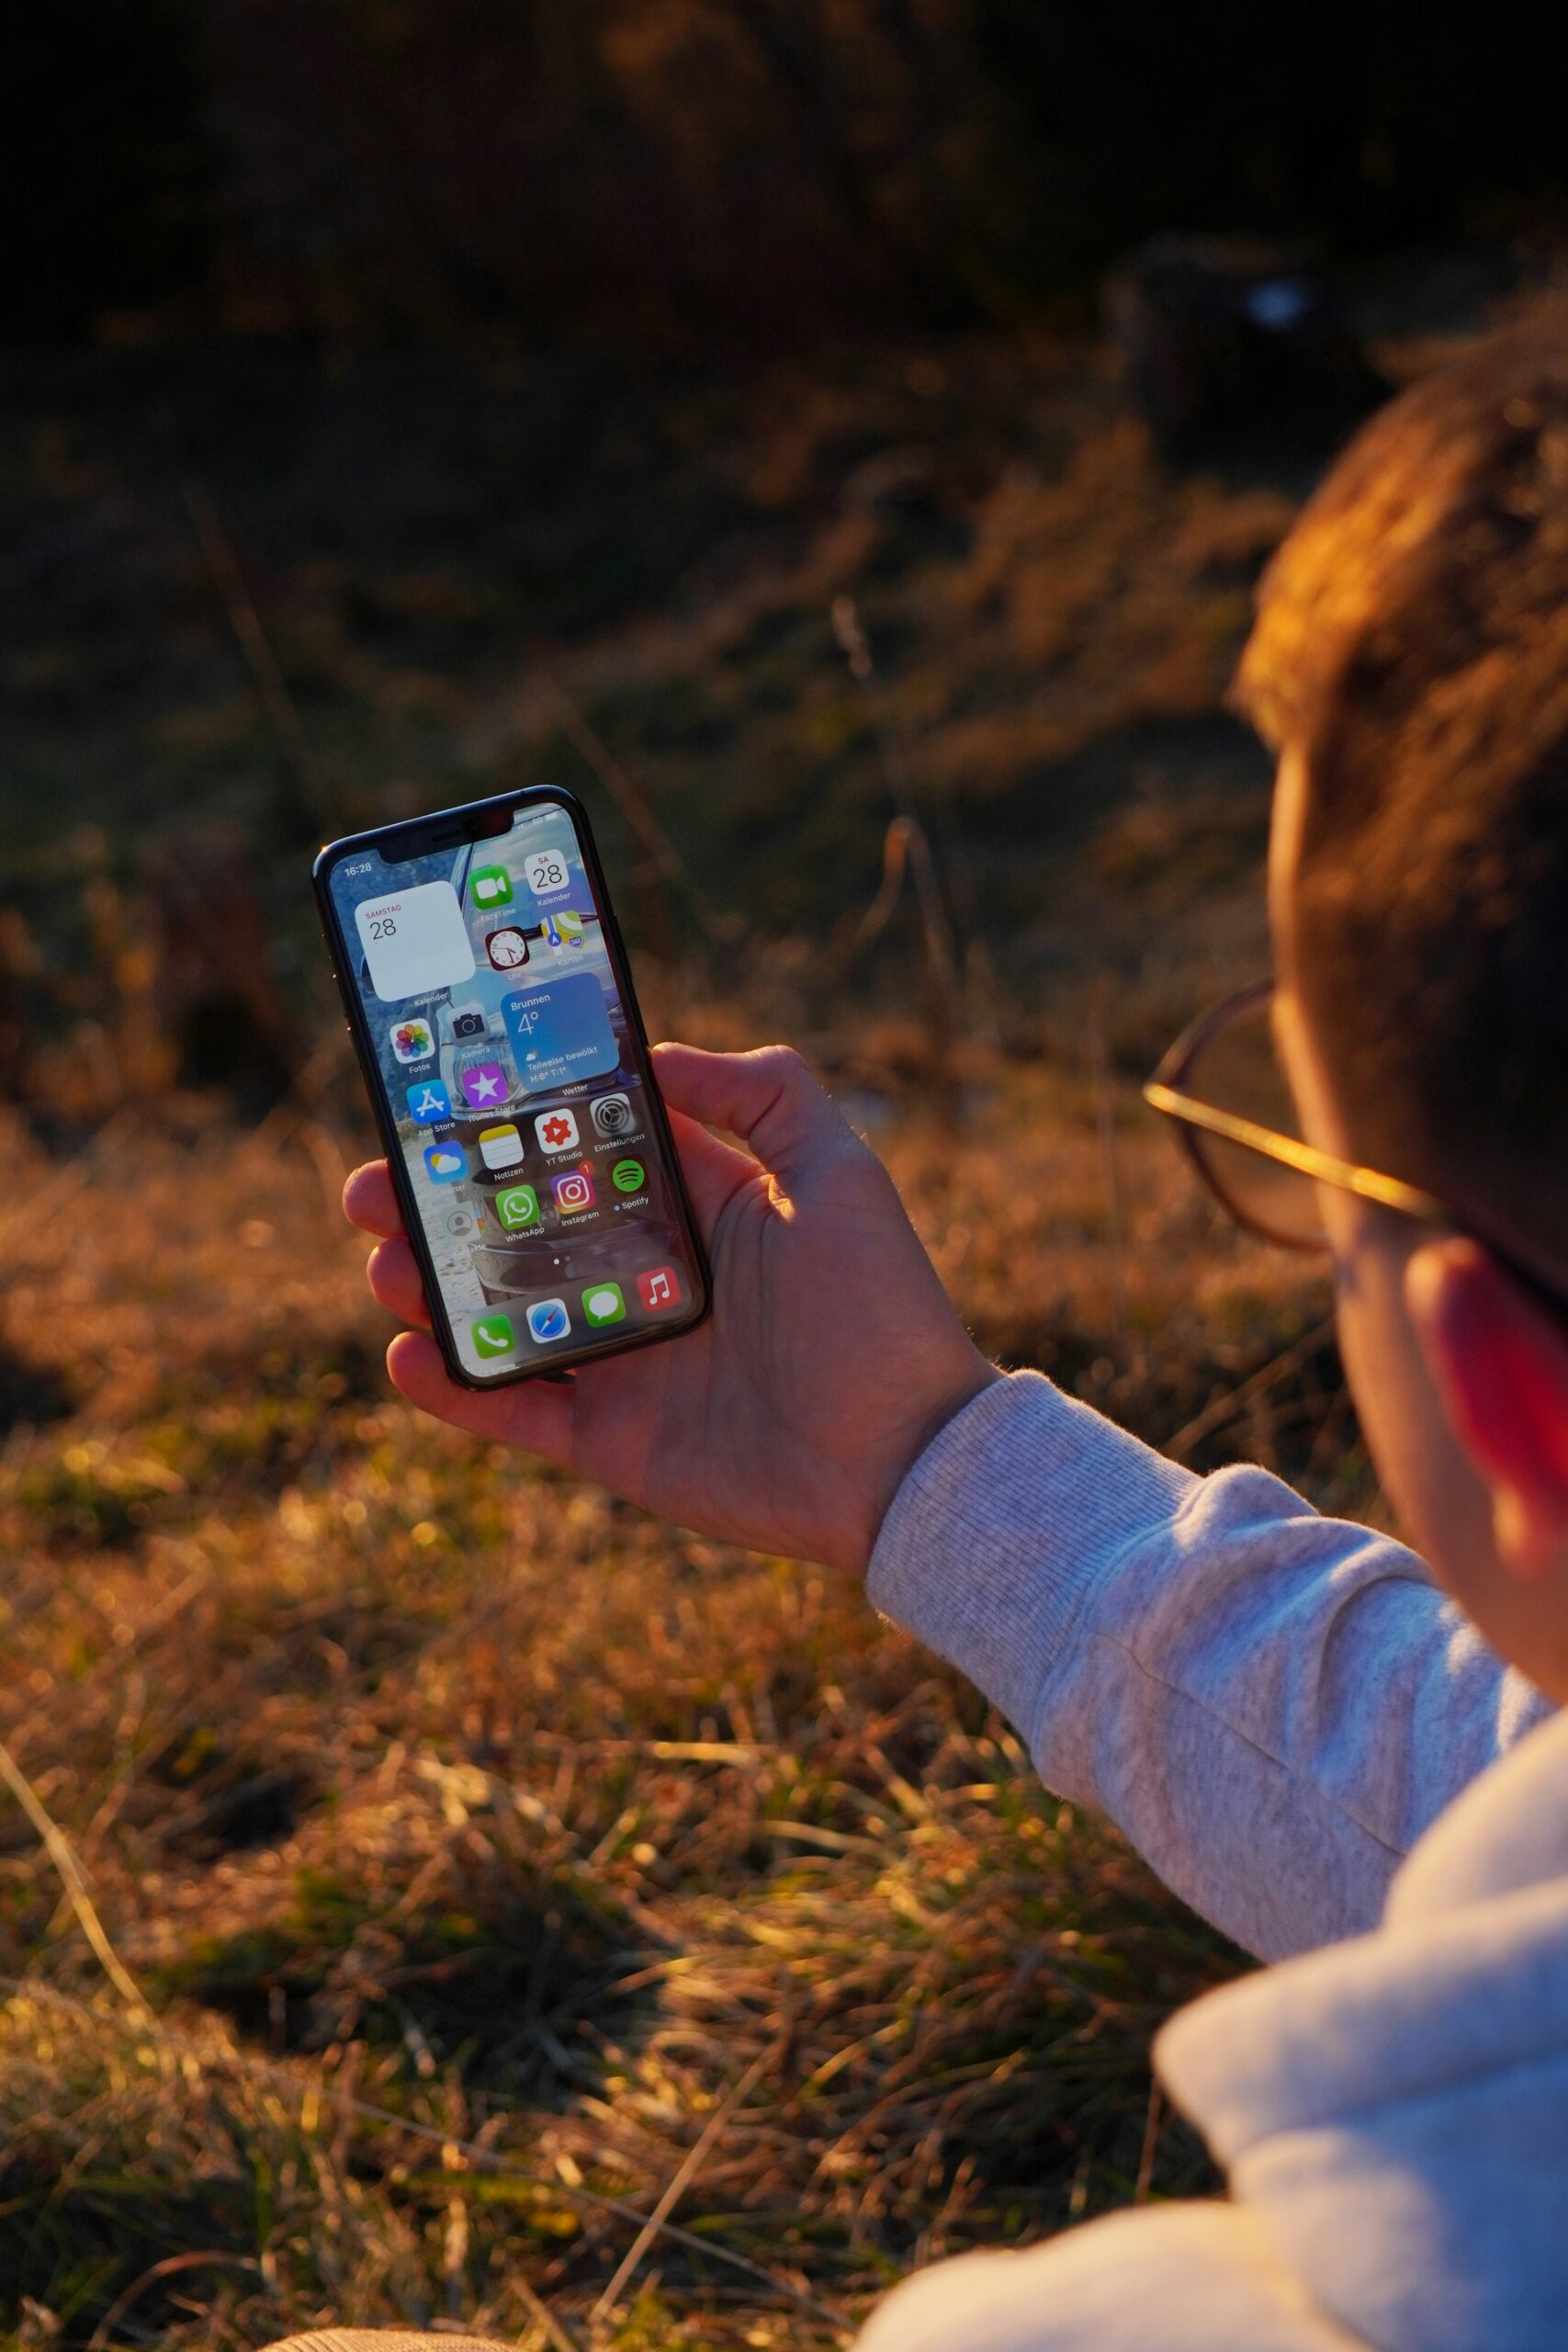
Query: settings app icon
{"points": [[614, 1117]]}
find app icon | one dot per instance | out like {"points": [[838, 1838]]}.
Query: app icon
{"points": [[660, 1289], [460, 1224], [414, 940], [483, 1084], [573, 1192], [429, 1102], [492, 887], [545, 870], [613, 1116], [556, 1131], [493, 1335], [507, 949], [547, 1320], [501, 1147], [560, 1030], [517, 1207], [629, 1175], [412, 1041], [444, 1163], [604, 1303], [564, 929], [468, 1021]]}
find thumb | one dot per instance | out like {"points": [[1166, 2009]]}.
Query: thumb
{"points": [[768, 1098]]}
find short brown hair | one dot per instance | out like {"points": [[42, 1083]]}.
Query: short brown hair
{"points": [[1412, 647]]}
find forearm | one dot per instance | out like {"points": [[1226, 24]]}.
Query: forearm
{"points": [[1273, 1705]]}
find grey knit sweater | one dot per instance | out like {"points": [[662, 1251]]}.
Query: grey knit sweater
{"points": [[1278, 1709]]}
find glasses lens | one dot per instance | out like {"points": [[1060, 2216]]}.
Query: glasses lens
{"points": [[1237, 1069]]}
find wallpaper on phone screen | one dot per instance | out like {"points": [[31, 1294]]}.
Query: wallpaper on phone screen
{"points": [[506, 1054]]}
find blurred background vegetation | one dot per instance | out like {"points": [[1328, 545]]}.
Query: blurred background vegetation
{"points": [[705, 406]]}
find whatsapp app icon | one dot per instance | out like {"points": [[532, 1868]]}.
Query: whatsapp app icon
{"points": [[518, 1206]]}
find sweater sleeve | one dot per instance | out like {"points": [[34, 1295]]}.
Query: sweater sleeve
{"points": [[1271, 1704]]}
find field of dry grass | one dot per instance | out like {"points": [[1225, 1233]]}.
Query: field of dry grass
{"points": [[487, 1870], [479, 1902]]}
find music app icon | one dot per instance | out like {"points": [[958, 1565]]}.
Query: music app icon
{"points": [[660, 1289]]}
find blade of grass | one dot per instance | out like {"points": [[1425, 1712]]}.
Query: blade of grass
{"points": [[60, 1852]]}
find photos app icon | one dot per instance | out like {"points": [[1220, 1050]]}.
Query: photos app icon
{"points": [[412, 1041]]}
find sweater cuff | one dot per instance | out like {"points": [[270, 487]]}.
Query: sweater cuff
{"points": [[1010, 1520]]}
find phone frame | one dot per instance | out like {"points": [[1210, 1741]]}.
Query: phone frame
{"points": [[473, 822]]}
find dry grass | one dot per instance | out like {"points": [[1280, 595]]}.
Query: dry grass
{"points": [[483, 1851], [525, 1913]]}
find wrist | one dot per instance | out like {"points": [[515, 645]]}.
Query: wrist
{"points": [[970, 1380]]}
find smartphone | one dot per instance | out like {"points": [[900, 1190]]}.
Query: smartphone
{"points": [[490, 1001]]}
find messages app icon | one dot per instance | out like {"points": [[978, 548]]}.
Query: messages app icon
{"points": [[603, 1304]]}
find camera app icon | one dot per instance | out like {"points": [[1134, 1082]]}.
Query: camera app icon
{"points": [[613, 1116], [468, 1021]]}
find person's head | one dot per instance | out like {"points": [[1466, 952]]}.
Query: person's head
{"points": [[1410, 665]]}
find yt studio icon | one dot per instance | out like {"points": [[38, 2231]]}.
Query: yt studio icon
{"points": [[613, 1116], [556, 1131]]}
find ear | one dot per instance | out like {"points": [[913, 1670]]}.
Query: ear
{"points": [[1500, 1363]]}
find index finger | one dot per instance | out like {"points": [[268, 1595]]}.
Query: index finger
{"points": [[369, 1202]]}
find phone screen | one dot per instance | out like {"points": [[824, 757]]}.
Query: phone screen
{"points": [[511, 1068]]}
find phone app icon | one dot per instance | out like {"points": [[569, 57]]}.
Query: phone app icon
{"points": [[429, 1102], [507, 948], [491, 885], [629, 1175], [501, 1147], [546, 872], [547, 1320], [444, 1163], [573, 1192], [412, 1041], [517, 1207], [613, 1116], [603, 1304], [468, 1021], [660, 1289], [556, 1131], [493, 1335], [483, 1085]]}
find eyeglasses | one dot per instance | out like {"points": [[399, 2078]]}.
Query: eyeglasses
{"points": [[1222, 1085]]}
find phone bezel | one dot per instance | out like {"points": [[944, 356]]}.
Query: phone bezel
{"points": [[478, 821]]}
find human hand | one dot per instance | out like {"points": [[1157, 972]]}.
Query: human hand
{"points": [[832, 1355]]}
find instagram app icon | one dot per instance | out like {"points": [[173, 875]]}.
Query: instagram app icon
{"points": [[573, 1192]]}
